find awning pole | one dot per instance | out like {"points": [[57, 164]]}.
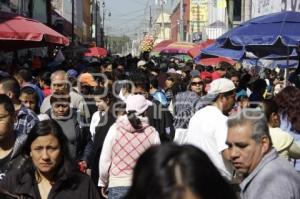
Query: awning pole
{"points": [[286, 70]]}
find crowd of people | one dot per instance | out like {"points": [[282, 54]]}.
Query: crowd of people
{"points": [[127, 127]]}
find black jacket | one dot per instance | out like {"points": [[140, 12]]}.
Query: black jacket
{"points": [[162, 120], [80, 187]]}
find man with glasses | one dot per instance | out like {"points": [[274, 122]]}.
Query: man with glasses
{"points": [[25, 118], [208, 129]]}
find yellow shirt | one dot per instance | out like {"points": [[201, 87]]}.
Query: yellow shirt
{"points": [[283, 143]]}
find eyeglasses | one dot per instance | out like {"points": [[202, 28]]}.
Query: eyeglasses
{"points": [[196, 83]]}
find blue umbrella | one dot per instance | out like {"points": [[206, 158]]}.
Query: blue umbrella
{"points": [[268, 30], [275, 35]]}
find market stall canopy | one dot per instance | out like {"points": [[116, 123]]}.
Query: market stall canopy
{"points": [[17, 32], [96, 52], [178, 48], [161, 45], [215, 61], [195, 51]]}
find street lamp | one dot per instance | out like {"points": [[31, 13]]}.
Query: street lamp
{"points": [[103, 20]]}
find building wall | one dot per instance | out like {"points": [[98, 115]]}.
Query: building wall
{"points": [[175, 16]]}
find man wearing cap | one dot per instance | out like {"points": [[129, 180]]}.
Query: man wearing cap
{"points": [[208, 128]]}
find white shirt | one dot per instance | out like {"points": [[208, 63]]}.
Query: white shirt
{"points": [[94, 122], [208, 131]]}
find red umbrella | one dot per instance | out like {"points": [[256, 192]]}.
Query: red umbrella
{"points": [[195, 51], [215, 60], [17, 32], [161, 45], [96, 52]]}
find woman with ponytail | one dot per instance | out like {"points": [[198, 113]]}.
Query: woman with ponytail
{"points": [[126, 140]]}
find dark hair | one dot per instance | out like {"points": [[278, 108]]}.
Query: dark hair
{"points": [[12, 85], [134, 120], [60, 97], [168, 171], [232, 73], [153, 81], [140, 79], [7, 103], [289, 104], [46, 77], [269, 107], [25, 74], [66, 167]]}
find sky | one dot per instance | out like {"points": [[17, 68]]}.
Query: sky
{"points": [[130, 16]]}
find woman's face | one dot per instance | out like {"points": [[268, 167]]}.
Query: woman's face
{"points": [[169, 83], [45, 152], [61, 109], [101, 104], [197, 85]]}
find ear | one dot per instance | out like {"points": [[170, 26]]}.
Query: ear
{"points": [[265, 144], [30, 154], [274, 119], [10, 94]]}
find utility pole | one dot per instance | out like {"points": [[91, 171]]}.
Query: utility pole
{"points": [[103, 20], [73, 20], [49, 14], [181, 21], [150, 20], [96, 25], [73, 28], [163, 20], [198, 18], [230, 13]]}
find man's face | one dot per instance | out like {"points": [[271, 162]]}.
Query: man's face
{"points": [[245, 153], [59, 83], [6, 122], [228, 103]]}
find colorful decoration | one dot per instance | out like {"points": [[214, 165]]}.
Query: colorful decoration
{"points": [[147, 43]]}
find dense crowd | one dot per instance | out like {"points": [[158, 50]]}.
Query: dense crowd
{"points": [[127, 127]]}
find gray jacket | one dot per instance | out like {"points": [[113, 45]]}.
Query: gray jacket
{"points": [[273, 178]]}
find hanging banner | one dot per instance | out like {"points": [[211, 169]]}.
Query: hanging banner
{"points": [[264, 7], [198, 15]]}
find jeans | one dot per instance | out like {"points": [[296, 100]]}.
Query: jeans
{"points": [[117, 192]]}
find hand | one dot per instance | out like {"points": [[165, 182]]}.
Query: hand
{"points": [[82, 166], [104, 192]]}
